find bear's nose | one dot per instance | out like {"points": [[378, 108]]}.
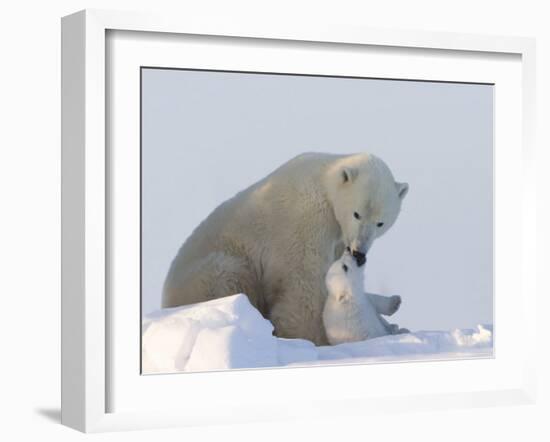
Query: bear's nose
{"points": [[360, 257]]}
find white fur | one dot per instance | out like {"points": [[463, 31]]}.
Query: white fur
{"points": [[276, 239], [349, 315]]}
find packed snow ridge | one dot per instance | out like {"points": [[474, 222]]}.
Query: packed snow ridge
{"points": [[230, 333]]}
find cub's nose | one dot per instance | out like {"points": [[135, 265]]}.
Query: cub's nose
{"points": [[360, 257]]}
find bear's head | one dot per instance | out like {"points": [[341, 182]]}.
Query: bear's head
{"points": [[344, 277], [365, 198]]}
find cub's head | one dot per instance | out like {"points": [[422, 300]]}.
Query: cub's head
{"points": [[366, 200], [344, 277]]}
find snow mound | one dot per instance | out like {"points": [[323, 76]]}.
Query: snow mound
{"points": [[230, 333]]}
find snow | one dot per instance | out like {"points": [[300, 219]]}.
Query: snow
{"points": [[230, 333]]}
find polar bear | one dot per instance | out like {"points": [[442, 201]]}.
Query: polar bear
{"points": [[276, 239], [350, 314]]}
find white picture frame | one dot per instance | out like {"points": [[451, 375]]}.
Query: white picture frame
{"points": [[86, 316]]}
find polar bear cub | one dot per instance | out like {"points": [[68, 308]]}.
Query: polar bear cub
{"points": [[350, 314]]}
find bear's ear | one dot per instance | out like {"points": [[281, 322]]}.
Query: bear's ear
{"points": [[402, 189], [348, 174]]}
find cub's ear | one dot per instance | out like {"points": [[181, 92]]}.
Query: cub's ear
{"points": [[343, 297], [402, 189], [348, 174]]}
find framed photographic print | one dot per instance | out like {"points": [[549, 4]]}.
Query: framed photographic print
{"points": [[271, 221]]}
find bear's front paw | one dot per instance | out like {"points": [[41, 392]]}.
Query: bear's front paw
{"points": [[394, 304]]}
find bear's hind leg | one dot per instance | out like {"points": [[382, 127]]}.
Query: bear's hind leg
{"points": [[215, 276]]}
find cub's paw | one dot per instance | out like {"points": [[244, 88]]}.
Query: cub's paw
{"points": [[394, 304], [393, 329]]}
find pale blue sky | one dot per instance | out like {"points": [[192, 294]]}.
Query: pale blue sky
{"points": [[208, 135]]}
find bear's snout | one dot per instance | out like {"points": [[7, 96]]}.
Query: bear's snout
{"points": [[360, 257]]}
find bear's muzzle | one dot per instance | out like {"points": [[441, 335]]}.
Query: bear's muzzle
{"points": [[360, 257]]}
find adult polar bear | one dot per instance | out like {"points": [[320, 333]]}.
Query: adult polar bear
{"points": [[276, 239]]}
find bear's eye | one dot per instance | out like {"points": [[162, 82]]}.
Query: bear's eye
{"points": [[379, 224], [345, 267], [356, 215]]}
